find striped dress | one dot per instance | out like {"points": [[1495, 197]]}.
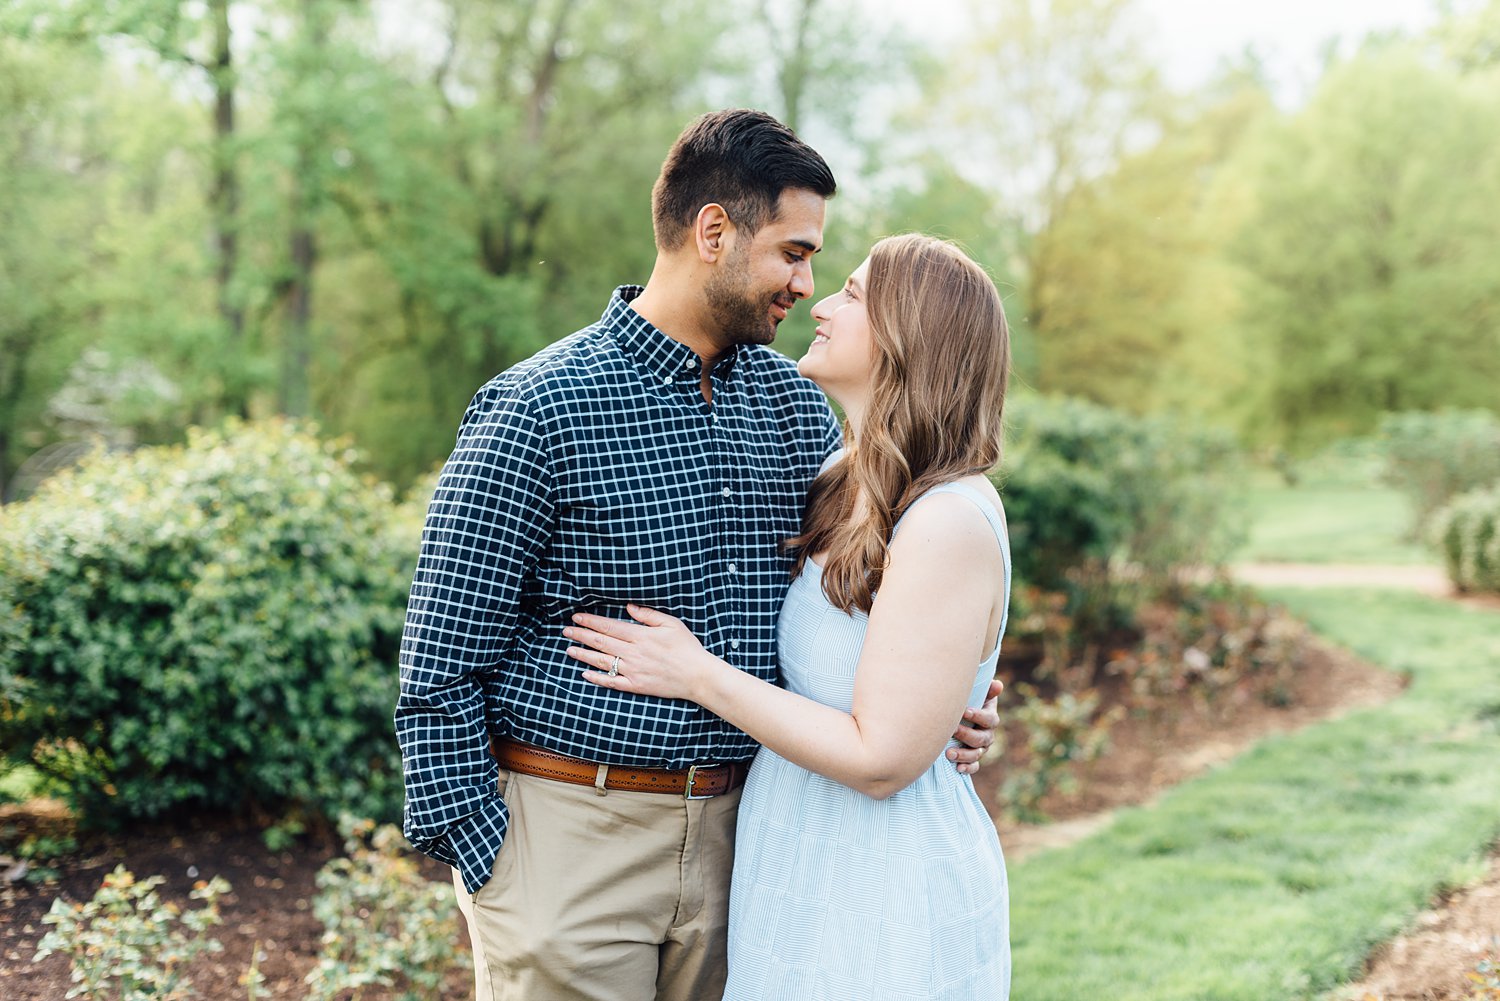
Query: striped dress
{"points": [[840, 897]]}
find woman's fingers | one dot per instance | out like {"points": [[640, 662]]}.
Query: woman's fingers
{"points": [[592, 658], [648, 616], [602, 624], [599, 641]]}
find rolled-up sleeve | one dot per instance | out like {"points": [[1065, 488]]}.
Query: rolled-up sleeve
{"points": [[490, 519]]}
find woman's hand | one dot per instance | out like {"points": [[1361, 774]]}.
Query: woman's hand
{"points": [[655, 655], [976, 732]]}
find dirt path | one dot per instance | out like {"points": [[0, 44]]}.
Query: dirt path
{"points": [[1428, 580], [1425, 579]]}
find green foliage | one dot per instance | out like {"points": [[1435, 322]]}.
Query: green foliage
{"points": [[385, 923], [127, 943], [1368, 247], [43, 240], [1217, 646], [1156, 331], [1332, 506], [1467, 531], [1108, 507], [1433, 457], [212, 626], [1060, 733]]}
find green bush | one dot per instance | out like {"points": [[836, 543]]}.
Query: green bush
{"points": [[1107, 507], [384, 923], [1434, 457], [213, 625], [1467, 531]]}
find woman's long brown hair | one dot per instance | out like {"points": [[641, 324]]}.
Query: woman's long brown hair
{"points": [[942, 360]]}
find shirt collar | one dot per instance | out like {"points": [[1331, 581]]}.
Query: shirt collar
{"points": [[662, 357]]}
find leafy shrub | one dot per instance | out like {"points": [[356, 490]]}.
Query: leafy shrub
{"points": [[1467, 531], [127, 943], [1060, 733], [384, 922], [1106, 507], [1433, 457], [212, 625], [1217, 647]]}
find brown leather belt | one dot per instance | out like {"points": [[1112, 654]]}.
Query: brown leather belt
{"points": [[697, 782]]}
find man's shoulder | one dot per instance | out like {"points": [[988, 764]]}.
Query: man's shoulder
{"points": [[582, 356]]}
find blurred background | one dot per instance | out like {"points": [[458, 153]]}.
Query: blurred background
{"points": [[1275, 218]]}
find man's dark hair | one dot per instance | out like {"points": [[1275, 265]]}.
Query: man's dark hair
{"points": [[743, 160]]}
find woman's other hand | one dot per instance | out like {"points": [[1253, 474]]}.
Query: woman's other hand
{"points": [[976, 731]]}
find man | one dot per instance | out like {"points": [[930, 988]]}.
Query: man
{"points": [[658, 456]]}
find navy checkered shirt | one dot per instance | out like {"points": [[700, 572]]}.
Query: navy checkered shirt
{"points": [[591, 475]]}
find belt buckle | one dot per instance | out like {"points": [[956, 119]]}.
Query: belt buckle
{"points": [[692, 777]]}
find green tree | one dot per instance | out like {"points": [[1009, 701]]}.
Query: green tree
{"points": [[42, 238], [1049, 96], [1139, 300], [1372, 245]]}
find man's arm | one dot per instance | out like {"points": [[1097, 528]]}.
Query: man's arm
{"points": [[486, 526]]}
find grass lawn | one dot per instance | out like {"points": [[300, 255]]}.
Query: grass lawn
{"points": [[1273, 876], [1337, 512]]}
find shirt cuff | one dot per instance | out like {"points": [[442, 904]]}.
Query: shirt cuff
{"points": [[471, 844]]}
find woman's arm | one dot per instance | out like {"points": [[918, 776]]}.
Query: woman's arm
{"points": [[926, 637]]}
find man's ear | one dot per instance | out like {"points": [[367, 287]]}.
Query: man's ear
{"points": [[712, 232]]}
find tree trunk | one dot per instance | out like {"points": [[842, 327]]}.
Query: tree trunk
{"points": [[296, 349], [224, 199]]}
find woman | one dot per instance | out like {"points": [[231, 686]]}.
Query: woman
{"points": [[865, 865]]}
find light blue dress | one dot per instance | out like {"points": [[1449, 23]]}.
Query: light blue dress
{"points": [[840, 897]]}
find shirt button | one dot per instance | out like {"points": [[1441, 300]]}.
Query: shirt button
{"points": [[726, 491], [666, 380], [734, 644], [733, 568]]}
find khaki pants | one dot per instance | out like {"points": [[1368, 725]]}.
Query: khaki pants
{"points": [[620, 897]]}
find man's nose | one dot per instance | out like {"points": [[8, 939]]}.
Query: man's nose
{"points": [[801, 284]]}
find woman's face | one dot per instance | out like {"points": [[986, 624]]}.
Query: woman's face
{"points": [[842, 355]]}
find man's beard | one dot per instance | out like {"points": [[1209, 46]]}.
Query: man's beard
{"points": [[742, 317]]}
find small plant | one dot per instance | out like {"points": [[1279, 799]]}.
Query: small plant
{"points": [[284, 833], [1217, 647], [38, 850], [1484, 979], [127, 943], [1060, 733], [384, 922]]}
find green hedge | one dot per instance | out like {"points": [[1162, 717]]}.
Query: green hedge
{"points": [[1108, 506], [213, 625], [1467, 531], [1434, 457]]}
